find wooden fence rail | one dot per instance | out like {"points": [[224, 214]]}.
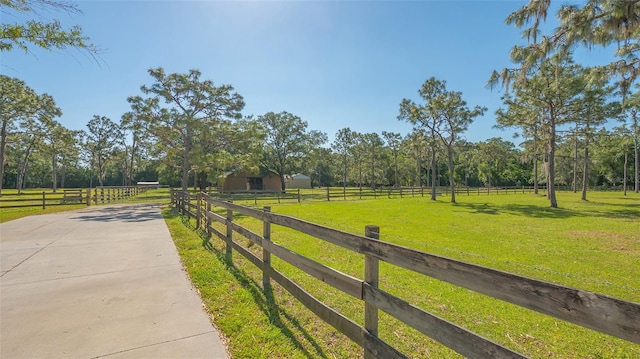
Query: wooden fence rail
{"points": [[359, 193], [71, 196], [591, 310]]}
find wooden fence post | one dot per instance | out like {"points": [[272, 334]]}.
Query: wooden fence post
{"points": [[43, 200], [208, 218], [229, 248], [266, 255], [371, 276], [298, 195], [328, 198], [198, 205], [88, 197]]}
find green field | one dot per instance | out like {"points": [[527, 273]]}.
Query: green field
{"points": [[592, 245]]}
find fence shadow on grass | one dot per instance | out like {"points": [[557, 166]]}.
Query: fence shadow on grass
{"points": [[518, 209], [535, 211], [265, 299]]}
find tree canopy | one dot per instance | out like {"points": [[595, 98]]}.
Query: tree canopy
{"points": [[35, 32], [188, 117]]}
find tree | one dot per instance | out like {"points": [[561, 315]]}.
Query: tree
{"points": [[445, 114], [596, 22], [287, 140], [358, 152], [134, 126], [492, 158], [416, 143], [58, 142], [374, 152], [46, 35], [25, 115], [69, 158], [101, 139], [18, 102], [317, 164], [342, 146], [191, 111], [551, 90], [631, 110], [393, 140], [593, 111]]}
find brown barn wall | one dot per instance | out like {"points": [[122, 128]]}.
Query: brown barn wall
{"points": [[271, 183], [235, 183], [239, 182]]}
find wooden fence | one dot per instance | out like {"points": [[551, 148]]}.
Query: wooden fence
{"points": [[591, 310], [112, 194], [70, 196], [356, 193]]}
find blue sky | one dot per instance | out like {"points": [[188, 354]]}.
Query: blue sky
{"points": [[333, 63]]}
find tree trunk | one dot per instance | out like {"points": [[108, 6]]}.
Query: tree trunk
{"points": [[344, 172], [101, 172], [195, 180], [185, 171], [535, 162], [585, 175], [133, 152], [282, 182], [54, 172], [22, 174], [3, 145], [637, 165], [575, 162], [624, 182], [395, 174], [63, 172], [551, 190], [451, 168], [418, 167], [373, 173], [433, 174], [360, 174], [186, 165]]}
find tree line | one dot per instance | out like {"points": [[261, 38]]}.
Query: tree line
{"points": [[184, 130], [188, 132]]}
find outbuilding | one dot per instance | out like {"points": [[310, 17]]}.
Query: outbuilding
{"points": [[148, 184], [247, 181], [297, 181]]}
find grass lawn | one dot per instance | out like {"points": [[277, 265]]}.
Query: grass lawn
{"points": [[592, 245]]}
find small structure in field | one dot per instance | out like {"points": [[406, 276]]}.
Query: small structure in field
{"points": [[297, 181], [148, 184]]}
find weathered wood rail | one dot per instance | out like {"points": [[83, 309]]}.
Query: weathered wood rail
{"points": [[70, 196], [115, 193], [605, 314]]}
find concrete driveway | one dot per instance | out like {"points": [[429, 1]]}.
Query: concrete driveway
{"points": [[101, 282]]}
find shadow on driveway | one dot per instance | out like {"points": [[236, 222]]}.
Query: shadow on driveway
{"points": [[126, 213]]}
